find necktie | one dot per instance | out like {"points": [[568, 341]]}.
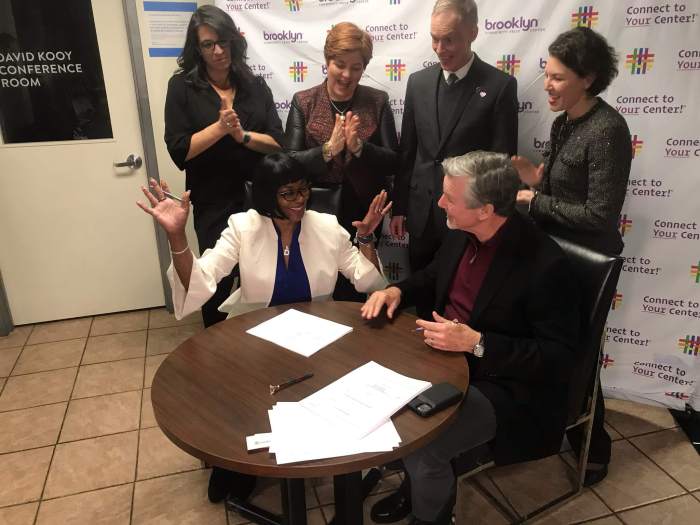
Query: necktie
{"points": [[451, 79]]}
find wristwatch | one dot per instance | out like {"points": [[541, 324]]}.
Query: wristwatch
{"points": [[479, 347], [246, 138], [365, 240]]}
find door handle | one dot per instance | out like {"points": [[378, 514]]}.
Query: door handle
{"points": [[132, 161]]}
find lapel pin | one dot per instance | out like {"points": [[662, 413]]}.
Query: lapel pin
{"points": [[481, 91]]}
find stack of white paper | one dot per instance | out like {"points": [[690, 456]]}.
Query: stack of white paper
{"points": [[350, 416], [302, 333]]}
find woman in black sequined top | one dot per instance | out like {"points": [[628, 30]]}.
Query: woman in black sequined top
{"points": [[578, 192]]}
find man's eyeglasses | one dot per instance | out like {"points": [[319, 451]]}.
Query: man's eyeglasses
{"points": [[208, 45], [291, 195]]}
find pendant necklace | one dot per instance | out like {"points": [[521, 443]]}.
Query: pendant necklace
{"points": [[341, 113], [286, 251]]}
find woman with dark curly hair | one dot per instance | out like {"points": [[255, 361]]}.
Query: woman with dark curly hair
{"points": [[220, 120], [578, 192]]}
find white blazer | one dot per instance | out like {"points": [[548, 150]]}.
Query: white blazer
{"points": [[250, 240]]}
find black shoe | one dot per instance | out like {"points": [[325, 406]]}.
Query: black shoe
{"points": [[594, 476], [224, 482], [394, 507]]}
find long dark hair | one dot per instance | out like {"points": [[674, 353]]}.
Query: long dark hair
{"points": [[190, 60]]}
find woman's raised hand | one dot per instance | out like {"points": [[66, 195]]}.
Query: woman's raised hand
{"points": [[170, 214], [337, 140], [376, 212], [527, 171]]}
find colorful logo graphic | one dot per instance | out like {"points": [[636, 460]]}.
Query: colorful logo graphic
{"points": [[509, 64], [624, 224], [637, 145], [639, 61], [617, 301], [690, 345], [695, 272], [394, 69], [298, 71], [293, 5], [393, 271], [606, 361], [584, 17], [678, 395]]}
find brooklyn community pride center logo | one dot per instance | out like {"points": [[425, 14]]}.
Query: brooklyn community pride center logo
{"points": [[298, 71], [294, 6], [616, 301], [639, 61], [690, 345], [624, 224], [509, 64], [637, 145], [395, 69], [695, 272], [586, 16]]}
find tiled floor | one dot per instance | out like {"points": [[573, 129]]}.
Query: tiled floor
{"points": [[79, 444]]}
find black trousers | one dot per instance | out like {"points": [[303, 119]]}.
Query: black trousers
{"points": [[422, 250], [601, 443], [209, 221]]}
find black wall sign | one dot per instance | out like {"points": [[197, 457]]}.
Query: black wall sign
{"points": [[51, 83]]}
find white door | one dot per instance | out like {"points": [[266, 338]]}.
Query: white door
{"points": [[72, 241]]}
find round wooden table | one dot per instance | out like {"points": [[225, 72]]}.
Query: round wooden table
{"points": [[213, 390]]}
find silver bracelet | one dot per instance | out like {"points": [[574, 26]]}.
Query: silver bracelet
{"points": [[181, 251], [365, 240]]}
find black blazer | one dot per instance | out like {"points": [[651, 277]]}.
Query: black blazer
{"points": [[488, 122], [527, 309]]}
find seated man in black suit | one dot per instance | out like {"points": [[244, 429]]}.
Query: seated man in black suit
{"points": [[504, 296]]}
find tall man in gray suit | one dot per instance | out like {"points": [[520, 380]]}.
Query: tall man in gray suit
{"points": [[458, 105]]}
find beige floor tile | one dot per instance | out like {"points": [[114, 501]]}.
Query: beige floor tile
{"points": [[30, 427], [608, 520], [49, 356], [101, 415], [165, 340], [152, 364], [161, 318], [147, 417], [111, 506], [389, 483], [678, 511], [60, 330], [114, 347], [633, 480], [614, 434], [92, 464], [473, 507], [631, 419], [109, 378], [158, 456], [33, 390], [2, 383], [19, 515], [22, 475], [17, 337], [585, 506], [672, 451], [8, 358], [180, 499], [532, 484], [120, 322]]}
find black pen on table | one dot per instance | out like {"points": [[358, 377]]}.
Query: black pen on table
{"points": [[276, 388]]}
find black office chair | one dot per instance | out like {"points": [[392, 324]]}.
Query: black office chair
{"points": [[322, 199], [598, 275]]}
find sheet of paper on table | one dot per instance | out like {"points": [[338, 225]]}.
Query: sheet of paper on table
{"points": [[299, 435], [362, 400], [299, 332]]}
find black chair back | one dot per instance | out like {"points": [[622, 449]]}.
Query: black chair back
{"points": [[597, 275], [322, 200]]}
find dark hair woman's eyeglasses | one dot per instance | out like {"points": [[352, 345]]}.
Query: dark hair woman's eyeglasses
{"points": [[208, 45], [291, 195]]}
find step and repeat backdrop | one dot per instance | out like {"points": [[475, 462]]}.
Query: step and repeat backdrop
{"points": [[652, 353]]}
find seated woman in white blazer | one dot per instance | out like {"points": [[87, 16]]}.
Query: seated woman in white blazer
{"points": [[285, 253]]}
